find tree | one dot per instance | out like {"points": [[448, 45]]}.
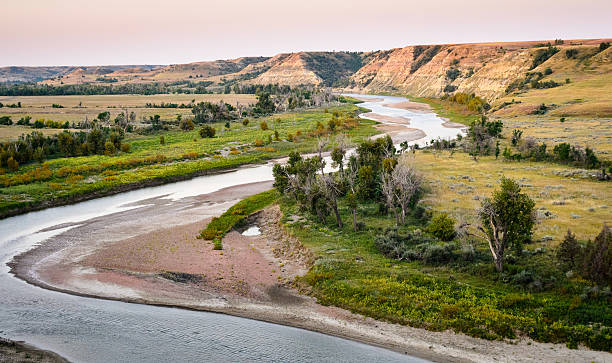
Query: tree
{"points": [[568, 252], [598, 259], [330, 187], [95, 141], [264, 104], [507, 220], [408, 184], [104, 117], [65, 143], [401, 186]]}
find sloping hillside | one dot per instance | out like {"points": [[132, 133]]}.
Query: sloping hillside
{"points": [[571, 77]]}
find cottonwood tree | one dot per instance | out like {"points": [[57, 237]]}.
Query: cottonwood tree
{"points": [[400, 187], [351, 176], [507, 220], [331, 188], [408, 183], [339, 152]]}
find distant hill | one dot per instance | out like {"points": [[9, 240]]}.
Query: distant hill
{"points": [[495, 71]]}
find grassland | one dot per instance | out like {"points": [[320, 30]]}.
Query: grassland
{"points": [[77, 108], [8, 133], [587, 95], [585, 131], [182, 155]]}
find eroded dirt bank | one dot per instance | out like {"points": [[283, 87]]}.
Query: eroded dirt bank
{"points": [[151, 255]]}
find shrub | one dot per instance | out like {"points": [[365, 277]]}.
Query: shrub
{"points": [[452, 74], [259, 142], [125, 148], [263, 125], [276, 136], [548, 71], [12, 164], [571, 53], [245, 122], [414, 246], [6, 120], [207, 131], [442, 226], [162, 140], [187, 125], [449, 88], [109, 148], [217, 244]]}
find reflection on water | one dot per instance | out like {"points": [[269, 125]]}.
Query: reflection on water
{"points": [[91, 330]]}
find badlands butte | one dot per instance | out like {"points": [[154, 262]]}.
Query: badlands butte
{"points": [[501, 73]]}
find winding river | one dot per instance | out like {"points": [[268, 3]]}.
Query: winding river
{"points": [[91, 330]]}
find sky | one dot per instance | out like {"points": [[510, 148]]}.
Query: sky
{"points": [[104, 32]]}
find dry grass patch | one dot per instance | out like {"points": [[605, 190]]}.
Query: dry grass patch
{"points": [[458, 184]]}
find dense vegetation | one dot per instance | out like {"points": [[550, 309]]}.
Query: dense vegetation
{"points": [[171, 155], [395, 262], [35, 146], [471, 101]]}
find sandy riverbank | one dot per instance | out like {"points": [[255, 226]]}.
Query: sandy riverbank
{"points": [[19, 352], [396, 127], [150, 255]]}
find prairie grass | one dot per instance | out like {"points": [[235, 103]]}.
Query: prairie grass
{"points": [[467, 297]]}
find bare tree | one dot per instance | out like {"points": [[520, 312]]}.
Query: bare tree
{"points": [[331, 189], [351, 177], [322, 145], [388, 190], [407, 182]]}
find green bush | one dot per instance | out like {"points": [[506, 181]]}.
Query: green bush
{"points": [[207, 131], [442, 226]]}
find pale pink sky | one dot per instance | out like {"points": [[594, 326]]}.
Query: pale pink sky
{"points": [[90, 32]]}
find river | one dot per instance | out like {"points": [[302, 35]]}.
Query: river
{"points": [[92, 330]]}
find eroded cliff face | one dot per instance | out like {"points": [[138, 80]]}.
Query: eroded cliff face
{"points": [[291, 70], [486, 69]]}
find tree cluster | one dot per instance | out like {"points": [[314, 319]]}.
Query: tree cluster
{"points": [[530, 149], [470, 100], [37, 147], [374, 173], [592, 260]]}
